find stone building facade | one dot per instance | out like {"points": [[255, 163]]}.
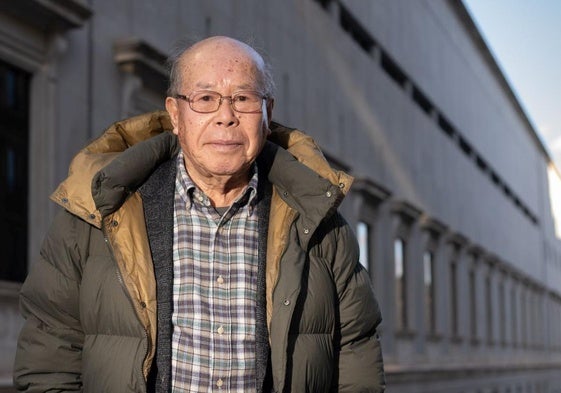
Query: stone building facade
{"points": [[452, 200]]}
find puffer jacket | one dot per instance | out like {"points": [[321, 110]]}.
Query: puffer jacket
{"points": [[97, 303]]}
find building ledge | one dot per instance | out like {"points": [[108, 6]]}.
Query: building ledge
{"points": [[137, 57], [455, 339], [458, 240], [373, 192], [434, 337], [399, 373], [49, 15], [432, 225], [406, 334], [406, 211]]}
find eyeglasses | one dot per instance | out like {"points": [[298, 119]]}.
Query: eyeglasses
{"points": [[207, 101]]}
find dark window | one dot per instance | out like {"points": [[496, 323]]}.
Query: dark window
{"points": [[481, 162], [489, 302], [400, 266], [529, 214], [363, 237], [428, 274], [393, 70], [465, 146], [514, 316], [495, 178], [14, 142], [358, 33], [507, 191], [445, 126], [454, 297], [472, 305], [523, 319], [421, 99], [502, 314]]}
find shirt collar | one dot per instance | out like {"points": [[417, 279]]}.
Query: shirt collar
{"points": [[188, 190]]}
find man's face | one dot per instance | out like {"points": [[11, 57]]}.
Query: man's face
{"points": [[221, 144]]}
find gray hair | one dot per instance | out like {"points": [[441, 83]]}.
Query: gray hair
{"points": [[174, 68]]}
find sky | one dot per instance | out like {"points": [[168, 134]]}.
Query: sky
{"points": [[525, 39]]}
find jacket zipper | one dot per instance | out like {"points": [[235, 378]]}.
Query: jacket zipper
{"points": [[292, 221], [129, 297]]}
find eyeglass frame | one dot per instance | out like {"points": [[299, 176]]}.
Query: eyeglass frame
{"points": [[187, 98]]}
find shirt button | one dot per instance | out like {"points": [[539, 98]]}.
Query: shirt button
{"points": [[286, 302], [306, 231], [220, 330], [328, 194], [219, 383], [220, 280]]}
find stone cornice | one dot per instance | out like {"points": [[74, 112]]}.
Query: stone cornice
{"points": [[406, 211], [432, 225], [49, 15], [139, 58], [458, 240], [371, 191]]}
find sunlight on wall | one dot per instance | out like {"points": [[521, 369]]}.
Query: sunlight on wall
{"points": [[555, 197]]}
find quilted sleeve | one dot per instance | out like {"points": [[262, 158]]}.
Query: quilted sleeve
{"points": [[48, 354]]}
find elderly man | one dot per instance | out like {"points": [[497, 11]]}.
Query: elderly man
{"points": [[210, 258]]}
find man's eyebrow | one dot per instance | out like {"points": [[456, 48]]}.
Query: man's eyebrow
{"points": [[246, 86]]}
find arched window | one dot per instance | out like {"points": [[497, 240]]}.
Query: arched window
{"points": [[363, 237], [429, 291], [400, 268]]}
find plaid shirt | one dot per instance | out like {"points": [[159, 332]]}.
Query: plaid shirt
{"points": [[214, 290]]}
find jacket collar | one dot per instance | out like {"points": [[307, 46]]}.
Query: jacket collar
{"points": [[304, 190], [107, 171], [75, 192]]}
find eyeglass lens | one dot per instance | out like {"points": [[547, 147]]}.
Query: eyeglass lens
{"points": [[209, 101]]}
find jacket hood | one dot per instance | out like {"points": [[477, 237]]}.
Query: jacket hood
{"points": [[75, 192], [108, 170]]}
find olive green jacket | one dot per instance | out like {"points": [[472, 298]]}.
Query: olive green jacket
{"points": [[91, 303]]}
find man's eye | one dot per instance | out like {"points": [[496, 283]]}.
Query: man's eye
{"points": [[247, 97], [206, 98]]}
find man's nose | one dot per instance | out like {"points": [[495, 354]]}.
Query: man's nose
{"points": [[226, 114]]}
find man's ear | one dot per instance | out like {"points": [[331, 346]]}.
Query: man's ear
{"points": [[270, 105], [267, 116], [171, 107]]}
